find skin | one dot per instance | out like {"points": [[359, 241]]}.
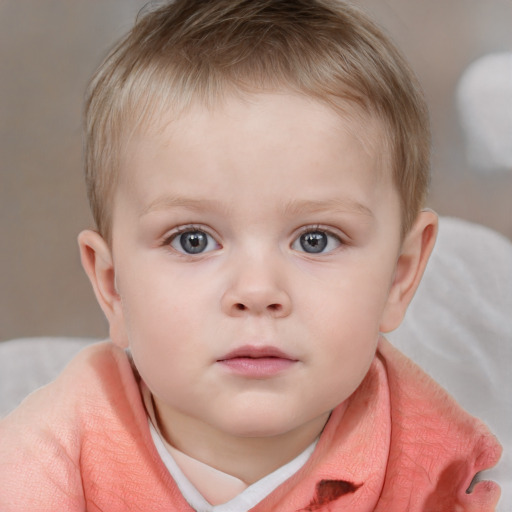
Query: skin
{"points": [[253, 175]]}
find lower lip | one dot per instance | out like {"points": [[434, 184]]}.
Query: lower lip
{"points": [[257, 368]]}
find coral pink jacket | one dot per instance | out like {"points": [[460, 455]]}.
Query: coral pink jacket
{"points": [[82, 443]]}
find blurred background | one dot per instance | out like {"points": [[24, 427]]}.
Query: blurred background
{"points": [[50, 48]]}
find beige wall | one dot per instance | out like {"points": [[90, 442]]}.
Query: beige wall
{"points": [[49, 48]]}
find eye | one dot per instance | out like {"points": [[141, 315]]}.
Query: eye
{"points": [[193, 241], [316, 241]]}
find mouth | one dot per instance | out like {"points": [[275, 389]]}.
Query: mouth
{"points": [[257, 362]]}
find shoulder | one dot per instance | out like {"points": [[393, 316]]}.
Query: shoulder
{"points": [[42, 441], [96, 358], [85, 380], [415, 395], [435, 444], [87, 375]]}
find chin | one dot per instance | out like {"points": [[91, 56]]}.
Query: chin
{"points": [[260, 426]]}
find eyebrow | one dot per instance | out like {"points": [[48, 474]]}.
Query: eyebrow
{"points": [[190, 203], [343, 205], [292, 208]]}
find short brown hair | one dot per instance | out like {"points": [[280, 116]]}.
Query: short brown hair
{"points": [[190, 50]]}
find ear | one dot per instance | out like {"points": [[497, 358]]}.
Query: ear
{"points": [[98, 264], [412, 261]]}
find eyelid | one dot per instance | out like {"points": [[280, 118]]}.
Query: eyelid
{"points": [[184, 228], [329, 231], [336, 233], [168, 238]]}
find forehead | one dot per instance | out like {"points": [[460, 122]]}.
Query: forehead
{"points": [[256, 111], [259, 139]]}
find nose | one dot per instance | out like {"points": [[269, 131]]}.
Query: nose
{"points": [[256, 288]]}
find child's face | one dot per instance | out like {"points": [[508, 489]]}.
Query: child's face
{"points": [[254, 248]]}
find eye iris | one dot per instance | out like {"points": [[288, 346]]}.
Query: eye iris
{"points": [[313, 242], [193, 242]]}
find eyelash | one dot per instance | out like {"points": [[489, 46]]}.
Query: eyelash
{"points": [[180, 230], [189, 228], [320, 229]]}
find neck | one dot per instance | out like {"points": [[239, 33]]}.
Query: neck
{"points": [[246, 458]]}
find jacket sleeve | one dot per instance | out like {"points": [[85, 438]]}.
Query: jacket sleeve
{"points": [[40, 454]]}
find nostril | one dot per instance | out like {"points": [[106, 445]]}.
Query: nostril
{"points": [[272, 308]]}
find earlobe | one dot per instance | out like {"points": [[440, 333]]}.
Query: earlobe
{"points": [[98, 264], [412, 261]]}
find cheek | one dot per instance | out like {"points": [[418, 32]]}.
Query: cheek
{"points": [[156, 295], [164, 349], [344, 327], [162, 323], [352, 301], [346, 362]]}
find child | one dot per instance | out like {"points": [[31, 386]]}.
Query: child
{"points": [[257, 171]]}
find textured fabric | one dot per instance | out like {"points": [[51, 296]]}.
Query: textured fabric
{"points": [[82, 443]]}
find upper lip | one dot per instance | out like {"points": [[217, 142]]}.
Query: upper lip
{"points": [[256, 352]]}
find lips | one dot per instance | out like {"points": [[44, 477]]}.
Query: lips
{"points": [[253, 352], [257, 362]]}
